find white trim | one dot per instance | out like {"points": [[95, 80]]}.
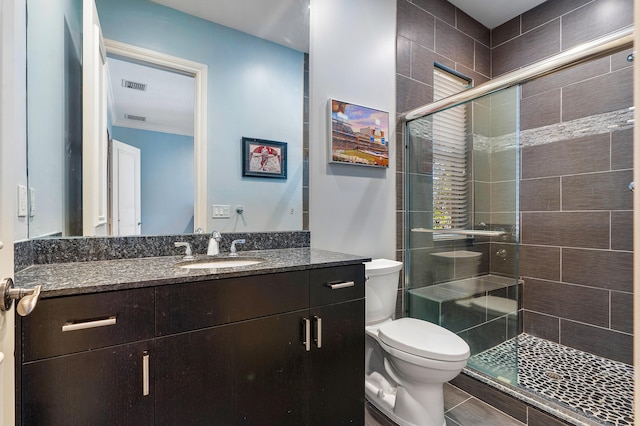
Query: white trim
{"points": [[94, 127], [151, 127], [200, 73], [13, 135]]}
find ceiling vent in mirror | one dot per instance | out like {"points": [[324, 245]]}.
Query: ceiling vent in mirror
{"points": [[135, 117], [133, 85]]}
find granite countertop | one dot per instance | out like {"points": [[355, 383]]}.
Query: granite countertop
{"points": [[64, 279]]}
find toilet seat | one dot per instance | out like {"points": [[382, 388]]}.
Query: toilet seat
{"points": [[423, 339]]}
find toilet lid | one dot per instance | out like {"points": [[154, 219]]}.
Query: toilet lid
{"points": [[424, 339]]}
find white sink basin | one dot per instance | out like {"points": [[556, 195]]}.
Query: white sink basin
{"points": [[220, 263]]}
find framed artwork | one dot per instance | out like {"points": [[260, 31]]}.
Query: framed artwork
{"points": [[359, 135], [263, 158]]}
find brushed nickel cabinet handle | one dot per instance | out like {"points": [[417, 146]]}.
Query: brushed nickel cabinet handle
{"points": [[317, 331], [307, 334], [83, 325], [145, 373], [344, 284]]}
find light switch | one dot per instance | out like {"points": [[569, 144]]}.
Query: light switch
{"points": [[220, 211]]}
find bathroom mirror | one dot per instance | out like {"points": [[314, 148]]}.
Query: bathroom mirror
{"points": [[255, 89]]}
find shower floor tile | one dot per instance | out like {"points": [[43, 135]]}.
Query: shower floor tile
{"points": [[595, 387]]}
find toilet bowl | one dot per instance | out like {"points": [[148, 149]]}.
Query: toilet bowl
{"points": [[407, 360]]}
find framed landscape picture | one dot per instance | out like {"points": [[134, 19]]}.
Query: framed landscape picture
{"points": [[263, 158], [359, 135]]}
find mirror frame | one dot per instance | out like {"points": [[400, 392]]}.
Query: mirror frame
{"points": [[199, 72]]}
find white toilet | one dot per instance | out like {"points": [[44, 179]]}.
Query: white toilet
{"points": [[407, 361]]}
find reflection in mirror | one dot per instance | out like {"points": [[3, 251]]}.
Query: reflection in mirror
{"points": [[255, 90], [151, 113], [54, 99]]}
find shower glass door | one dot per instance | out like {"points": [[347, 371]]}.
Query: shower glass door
{"points": [[462, 226]]}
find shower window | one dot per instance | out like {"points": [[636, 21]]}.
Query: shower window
{"points": [[450, 200]]}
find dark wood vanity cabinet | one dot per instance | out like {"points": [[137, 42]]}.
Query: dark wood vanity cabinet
{"points": [[86, 360], [337, 367], [276, 349], [101, 387]]}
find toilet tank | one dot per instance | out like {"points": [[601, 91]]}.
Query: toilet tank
{"points": [[450, 265], [381, 289]]}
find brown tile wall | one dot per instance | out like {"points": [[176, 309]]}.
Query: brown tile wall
{"points": [[576, 210], [576, 213]]}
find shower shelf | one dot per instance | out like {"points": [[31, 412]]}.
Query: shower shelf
{"points": [[471, 232]]}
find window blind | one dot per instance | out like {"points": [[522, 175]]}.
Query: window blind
{"points": [[449, 156]]}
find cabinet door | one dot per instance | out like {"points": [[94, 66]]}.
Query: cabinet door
{"points": [[248, 373], [337, 366], [101, 387]]}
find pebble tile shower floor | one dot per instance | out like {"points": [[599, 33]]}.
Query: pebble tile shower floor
{"points": [[595, 387]]}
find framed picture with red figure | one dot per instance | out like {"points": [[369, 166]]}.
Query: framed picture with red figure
{"points": [[263, 158]]}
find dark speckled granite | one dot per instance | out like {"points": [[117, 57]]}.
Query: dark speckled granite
{"points": [[22, 254], [62, 279], [87, 249]]}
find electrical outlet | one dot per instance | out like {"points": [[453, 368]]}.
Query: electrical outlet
{"points": [[220, 211]]}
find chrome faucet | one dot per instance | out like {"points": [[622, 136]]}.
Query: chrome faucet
{"points": [[188, 255], [233, 247], [214, 244]]}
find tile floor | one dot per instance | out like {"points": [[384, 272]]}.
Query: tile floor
{"points": [[592, 386], [461, 409]]}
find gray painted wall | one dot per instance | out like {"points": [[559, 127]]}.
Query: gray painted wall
{"points": [[351, 207]]}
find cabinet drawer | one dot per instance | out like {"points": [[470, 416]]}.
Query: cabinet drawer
{"points": [[337, 284], [72, 324], [215, 302]]}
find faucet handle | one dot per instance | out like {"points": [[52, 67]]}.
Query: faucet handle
{"points": [[188, 255], [233, 247], [216, 235]]}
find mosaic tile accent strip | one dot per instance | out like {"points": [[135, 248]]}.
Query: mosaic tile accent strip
{"points": [[593, 125], [587, 126], [594, 387]]}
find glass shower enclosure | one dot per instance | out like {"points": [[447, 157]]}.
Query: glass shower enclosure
{"points": [[462, 177]]}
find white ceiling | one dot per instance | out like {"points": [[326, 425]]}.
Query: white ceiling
{"points": [[285, 22], [167, 103], [492, 13]]}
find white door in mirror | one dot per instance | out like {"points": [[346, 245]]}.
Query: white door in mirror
{"points": [[125, 195]]}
